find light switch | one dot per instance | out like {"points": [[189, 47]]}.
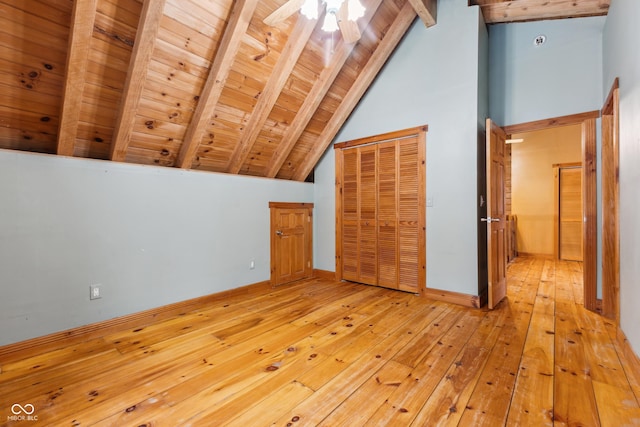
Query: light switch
{"points": [[429, 202]]}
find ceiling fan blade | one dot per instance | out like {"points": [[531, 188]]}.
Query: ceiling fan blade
{"points": [[349, 29], [283, 12]]}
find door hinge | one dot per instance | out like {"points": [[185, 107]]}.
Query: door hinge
{"points": [[308, 264], [309, 218]]}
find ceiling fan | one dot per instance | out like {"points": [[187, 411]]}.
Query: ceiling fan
{"points": [[340, 14]]}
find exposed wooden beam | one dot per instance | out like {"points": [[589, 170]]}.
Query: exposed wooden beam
{"points": [[283, 12], [365, 78], [279, 77], [314, 98], [224, 57], [146, 35], [426, 10], [349, 29], [531, 10], [82, 20]]}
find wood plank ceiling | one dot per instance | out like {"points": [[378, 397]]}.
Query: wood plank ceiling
{"points": [[195, 84], [499, 11]]}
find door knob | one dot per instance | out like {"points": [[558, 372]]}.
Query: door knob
{"points": [[278, 232], [490, 220]]}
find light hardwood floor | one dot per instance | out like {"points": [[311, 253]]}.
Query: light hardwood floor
{"points": [[341, 354]]}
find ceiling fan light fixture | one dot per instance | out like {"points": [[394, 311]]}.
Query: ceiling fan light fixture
{"points": [[333, 6], [330, 22], [356, 10], [310, 9]]}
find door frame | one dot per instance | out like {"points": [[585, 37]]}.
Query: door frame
{"points": [[589, 191], [273, 208], [611, 199]]}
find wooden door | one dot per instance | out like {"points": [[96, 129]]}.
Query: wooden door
{"points": [[570, 214], [367, 215], [291, 242], [411, 214], [496, 215], [347, 211], [388, 215]]}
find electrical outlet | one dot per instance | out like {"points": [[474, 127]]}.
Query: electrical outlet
{"points": [[252, 264], [94, 292]]}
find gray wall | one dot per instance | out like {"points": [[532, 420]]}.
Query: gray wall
{"points": [[561, 77], [621, 59], [151, 236], [432, 78]]}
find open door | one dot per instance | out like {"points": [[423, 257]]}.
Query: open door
{"points": [[496, 215]]}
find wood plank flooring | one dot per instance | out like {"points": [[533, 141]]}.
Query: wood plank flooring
{"points": [[341, 354]]}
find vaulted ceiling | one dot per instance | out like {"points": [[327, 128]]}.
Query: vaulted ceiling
{"points": [[200, 84]]}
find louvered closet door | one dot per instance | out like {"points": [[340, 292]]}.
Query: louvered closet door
{"points": [[388, 214], [409, 211], [367, 207], [349, 212], [380, 207]]}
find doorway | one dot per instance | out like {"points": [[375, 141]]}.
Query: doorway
{"points": [[587, 123]]}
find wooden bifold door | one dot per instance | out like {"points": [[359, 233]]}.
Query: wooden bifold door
{"points": [[380, 210]]}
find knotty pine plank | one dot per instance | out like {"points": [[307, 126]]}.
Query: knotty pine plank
{"points": [[629, 360], [361, 404], [52, 359], [315, 350], [354, 364], [26, 19], [175, 10], [179, 34], [575, 402], [446, 404], [182, 74], [236, 389], [532, 403], [126, 11], [311, 364], [404, 404], [427, 338], [616, 406], [490, 402]]}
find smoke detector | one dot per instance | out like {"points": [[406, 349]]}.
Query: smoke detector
{"points": [[539, 40]]}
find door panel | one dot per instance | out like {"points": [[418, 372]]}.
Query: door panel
{"points": [[367, 207], [349, 212], [387, 215], [410, 215], [496, 215]]}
